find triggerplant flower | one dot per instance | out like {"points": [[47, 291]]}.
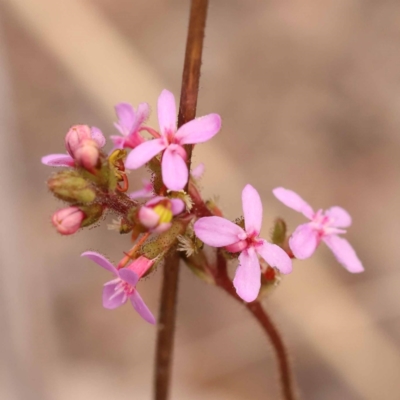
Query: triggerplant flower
{"points": [[219, 232], [123, 287], [170, 142], [129, 123], [156, 215], [75, 138], [325, 226]]}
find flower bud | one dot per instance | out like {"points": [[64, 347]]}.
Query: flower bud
{"points": [[87, 154], [68, 220], [75, 136], [72, 187], [279, 232]]}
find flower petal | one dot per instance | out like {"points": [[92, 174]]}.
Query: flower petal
{"points": [[174, 169], [344, 253], [142, 113], [247, 279], [198, 172], [294, 201], [275, 257], [304, 241], [143, 153], [252, 209], [129, 276], [126, 118], [100, 260], [341, 218], [146, 191], [177, 206], [199, 130], [218, 232], [118, 141], [58, 160], [140, 306], [97, 136], [166, 109], [109, 301]]}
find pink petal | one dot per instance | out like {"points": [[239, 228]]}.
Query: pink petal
{"points": [[199, 130], [142, 113], [218, 232], [98, 137], [118, 141], [166, 113], [126, 118], [275, 257], [143, 153], [174, 169], [252, 210], [341, 218], [177, 206], [140, 306], [146, 191], [58, 160], [304, 241], [344, 253], [109, 301], [100, 260], [148, 217], [294, 201], [247, 279], [198, 172], [129, 276]]}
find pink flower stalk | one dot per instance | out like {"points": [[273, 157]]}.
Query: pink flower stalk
{"points": [[117, 291], [325, 226], [219, 232], [68, 220], [146, 191], [170, 142], [156, 215], [129, 124], [74, 139]]}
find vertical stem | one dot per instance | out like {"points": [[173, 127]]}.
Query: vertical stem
{"points": [[187, 111]]}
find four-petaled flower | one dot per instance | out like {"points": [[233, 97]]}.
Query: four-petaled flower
{"points": [[170, 142], [75, 137], [325, 226], [129, 124], [219, 232], [117, 291]]}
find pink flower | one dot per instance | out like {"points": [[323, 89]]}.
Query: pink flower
{"points": [[171, 140], [68, 220], [117, 291], [74, 139], [325, 226], [146, 191], [198, 172], [219, 232], [156, 215], [129, 124]]}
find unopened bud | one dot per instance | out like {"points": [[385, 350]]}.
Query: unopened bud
{"points": [[75, 136], [87, 154], [70, 186], [93, 213], [68, 220], [279, 232]]}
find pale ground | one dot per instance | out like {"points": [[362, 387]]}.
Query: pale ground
{"points": [[309, 93]]}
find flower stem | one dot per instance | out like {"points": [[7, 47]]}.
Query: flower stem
{"points": [[187, 111], [222, 280]]}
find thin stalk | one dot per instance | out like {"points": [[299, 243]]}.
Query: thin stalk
{"points": [[222, 280], [187, 111]]}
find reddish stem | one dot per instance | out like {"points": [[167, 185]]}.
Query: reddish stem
{"points": [[222, 280]]}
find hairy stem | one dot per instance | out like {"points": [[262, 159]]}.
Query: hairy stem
{"points": [[187, 111], [222, 280]]}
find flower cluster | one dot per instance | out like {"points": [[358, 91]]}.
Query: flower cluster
{"points": [[169, 214]]}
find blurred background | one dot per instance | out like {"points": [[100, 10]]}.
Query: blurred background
{"points": [[309, 93]]}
